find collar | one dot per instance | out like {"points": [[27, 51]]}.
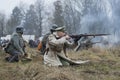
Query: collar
{"points": [[55, 34]]}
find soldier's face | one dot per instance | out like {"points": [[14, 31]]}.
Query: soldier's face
{"points": [[60, 33]]}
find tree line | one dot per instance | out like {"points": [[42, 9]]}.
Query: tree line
{"points": [[32, 18], [67, 13]]}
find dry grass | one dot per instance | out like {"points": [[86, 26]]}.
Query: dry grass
{"points": [[104, 65]]}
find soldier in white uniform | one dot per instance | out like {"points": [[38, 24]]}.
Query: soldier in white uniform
{"points": [[56, 45]]}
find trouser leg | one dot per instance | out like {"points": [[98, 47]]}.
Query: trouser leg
{"points": [[14, 56]]}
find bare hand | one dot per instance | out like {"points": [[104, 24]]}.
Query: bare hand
{"points": [[67, 37]]}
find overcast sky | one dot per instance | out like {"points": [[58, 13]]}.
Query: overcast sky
{"points": [[6, 6]]}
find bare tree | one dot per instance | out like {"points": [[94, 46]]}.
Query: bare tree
{"points": [[72, 15], [14, 20], [2, 24], [58, 14], [39, 9], [31, 21]]}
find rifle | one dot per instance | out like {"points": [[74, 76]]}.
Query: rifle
{"points": [[77, 37]]}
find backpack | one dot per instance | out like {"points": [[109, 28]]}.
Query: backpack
{"points": [[6, 48], [42, 44], [39, 45]]}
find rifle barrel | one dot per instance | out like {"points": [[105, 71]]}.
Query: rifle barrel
{"points": [[82, 35]]}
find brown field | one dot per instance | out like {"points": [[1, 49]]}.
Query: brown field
{"points": [[104, 65]]}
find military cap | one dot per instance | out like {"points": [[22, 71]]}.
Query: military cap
{"points": [[19, 29]]}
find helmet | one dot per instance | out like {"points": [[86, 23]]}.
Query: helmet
{"points": [[54, 26], [19, 29]]}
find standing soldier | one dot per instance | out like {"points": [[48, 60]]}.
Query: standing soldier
{"points": [[16, 46], [56, 45]]}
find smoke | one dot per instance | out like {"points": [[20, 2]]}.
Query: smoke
{"points": [[47, 14], [98, 16], [102, 16]]}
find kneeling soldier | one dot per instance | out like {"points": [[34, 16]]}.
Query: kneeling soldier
{"points": [[16, 46], [56, 45]]}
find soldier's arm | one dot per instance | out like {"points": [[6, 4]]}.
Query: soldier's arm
{"points": [[55, 41], [16, 44], [70, 43]]}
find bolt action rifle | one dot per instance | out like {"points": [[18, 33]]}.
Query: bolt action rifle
{"points": [[77, 37]]}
